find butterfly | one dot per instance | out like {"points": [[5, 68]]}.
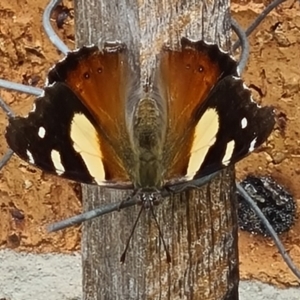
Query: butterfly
{"points": [[96, 124]]}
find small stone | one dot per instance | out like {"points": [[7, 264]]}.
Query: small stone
{"points": [[282, 40], [278, 157], [27, 184]]}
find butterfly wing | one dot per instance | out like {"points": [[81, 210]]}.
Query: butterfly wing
{"points": [[212, 120], [78, 129]]}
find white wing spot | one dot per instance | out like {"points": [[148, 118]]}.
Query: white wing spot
{"points": [[252, 145], [42, 132], [33, 107], [56, 159], [30, 157], [228, 153], [205, 137], [244, 123], [86, 143]]}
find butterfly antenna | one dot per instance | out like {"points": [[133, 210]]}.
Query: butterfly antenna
{"points": [[122, 259], [161, 235]]}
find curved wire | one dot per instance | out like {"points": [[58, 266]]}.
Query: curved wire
{"points": [[244, 45], [258, 20], [54, 38]]}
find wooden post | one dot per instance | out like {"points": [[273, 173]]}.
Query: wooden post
{"points": [[199, 226]]}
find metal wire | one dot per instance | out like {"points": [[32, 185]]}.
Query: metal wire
{"points": [[6, 157], [18, 87], [244, 45], [89, 215], [258, 20], [53, 37], [6, 108]]}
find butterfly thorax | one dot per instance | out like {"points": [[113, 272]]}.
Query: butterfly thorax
{"points": [[148, 132]]}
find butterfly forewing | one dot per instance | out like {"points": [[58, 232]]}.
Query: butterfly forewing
{"points": [[43, 137], [96, 83], [212, 119], [241, 126], [184, 79], [104, 81]]}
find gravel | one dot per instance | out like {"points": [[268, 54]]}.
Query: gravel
{"points": [[27, 276]]}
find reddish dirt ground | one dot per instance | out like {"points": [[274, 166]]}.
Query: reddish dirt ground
{"points": [[273, 70]]}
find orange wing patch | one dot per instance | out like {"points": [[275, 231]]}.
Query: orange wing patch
{"points": [[184, 81], [102, 80]]}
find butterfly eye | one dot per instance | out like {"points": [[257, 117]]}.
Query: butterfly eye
{"points": [[86, 75]]}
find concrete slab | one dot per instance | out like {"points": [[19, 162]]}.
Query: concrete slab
{"points": [[26, 276]]}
